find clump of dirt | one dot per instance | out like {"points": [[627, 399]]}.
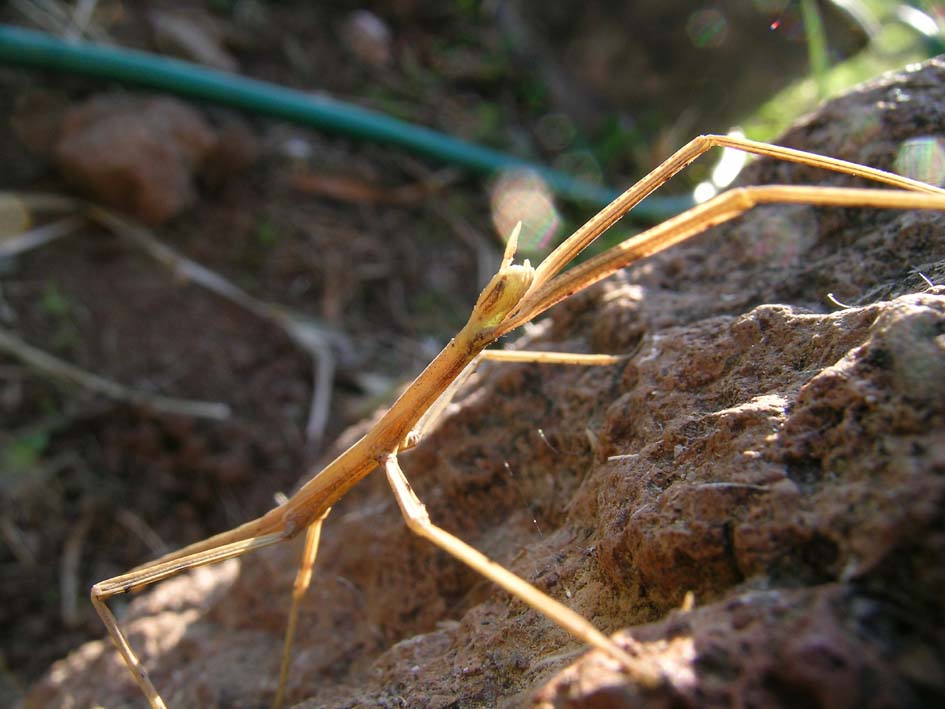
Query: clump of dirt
{"points": [[136, 154], [782, 462]]}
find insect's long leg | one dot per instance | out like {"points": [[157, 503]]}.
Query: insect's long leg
{"points": [[537, 357], [418, 520], [609, 215], [721, 208], [302, 580], [435, 412], [152, 573]]}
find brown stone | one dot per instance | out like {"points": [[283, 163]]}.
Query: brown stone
{"points": [[138, 154]]}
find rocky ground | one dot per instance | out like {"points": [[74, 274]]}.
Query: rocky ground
{"points": [[779, 456]]}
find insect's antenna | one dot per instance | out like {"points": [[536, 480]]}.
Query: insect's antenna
{"points": [[511, 245]]}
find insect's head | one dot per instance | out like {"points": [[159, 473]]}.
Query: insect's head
{"points": [[505, 290]]}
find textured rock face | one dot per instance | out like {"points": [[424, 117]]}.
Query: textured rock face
{"points": [[784, 463], [818, 550]]}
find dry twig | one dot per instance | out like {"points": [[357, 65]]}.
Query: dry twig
{"points": [[50, 366]]}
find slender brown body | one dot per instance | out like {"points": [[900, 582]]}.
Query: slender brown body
{"points": [[315, 498]]}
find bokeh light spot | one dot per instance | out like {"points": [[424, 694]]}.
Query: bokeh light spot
{"points": [[707, 29], [784, 236], [555, 131], [703, 192], [581, 164], [521, 195], [859, 125], [14, 216], [922, 159]]}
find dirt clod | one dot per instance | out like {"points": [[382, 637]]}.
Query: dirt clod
{"points": [[136, 154]]}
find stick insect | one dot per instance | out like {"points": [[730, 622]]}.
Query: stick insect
{"points": [[515, 295]]}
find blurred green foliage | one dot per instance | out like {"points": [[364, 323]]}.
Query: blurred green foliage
{"points": [[24, 452], [899, 33]]}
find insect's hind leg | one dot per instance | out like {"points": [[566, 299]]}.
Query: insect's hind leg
{"points": [[418, 520], [433, 415], [536, 357], [152, 573], [302, 581]]}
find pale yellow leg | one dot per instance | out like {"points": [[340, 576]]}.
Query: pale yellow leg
{"points": [[435, 412], [418, 520], [717, 210], [302, 580], [533, 356], [152, 573], [603, 220]]}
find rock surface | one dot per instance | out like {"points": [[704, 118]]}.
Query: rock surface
{"points": [[784, 463]]}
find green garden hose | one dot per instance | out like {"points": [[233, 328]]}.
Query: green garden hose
{"points": [[37, 49]]}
